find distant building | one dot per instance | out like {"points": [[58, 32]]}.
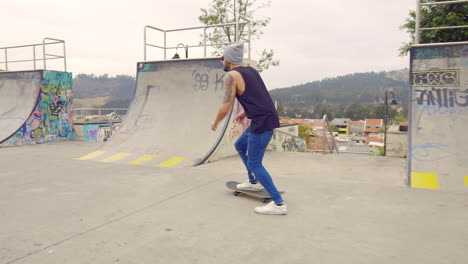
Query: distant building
{"points": [[357, 128], [397, 140], [343, 125], [372, 127]]}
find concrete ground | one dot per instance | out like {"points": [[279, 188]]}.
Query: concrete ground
{"points": [[346, 208]]}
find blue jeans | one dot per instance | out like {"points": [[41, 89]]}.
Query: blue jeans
{"points": [[251, 148]]}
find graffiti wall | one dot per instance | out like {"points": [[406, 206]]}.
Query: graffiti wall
{"points": [[285, 142], [438, 150], [91, 132], [290, 129], [52, 117]]}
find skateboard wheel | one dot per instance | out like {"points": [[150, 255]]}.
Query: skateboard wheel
{"points": [[265, 200], [235, 193]]}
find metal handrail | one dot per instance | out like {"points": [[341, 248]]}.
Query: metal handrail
{"points": [[204, 45], [418, 17], [444, 3], [44, 58]]}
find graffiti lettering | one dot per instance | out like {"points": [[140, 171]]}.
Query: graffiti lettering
{"points": [[422, 53], [235, 131], [430, 152], [443, 97], [26, 78], [201, 81], [219, 81], [436, 78], [56, 108]]}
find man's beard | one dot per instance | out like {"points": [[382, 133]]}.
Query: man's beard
{"points": [[226, 67]]}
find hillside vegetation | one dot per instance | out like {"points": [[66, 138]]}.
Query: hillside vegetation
{"points": [[356, 96]]}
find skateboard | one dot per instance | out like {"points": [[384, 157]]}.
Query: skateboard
{"points": [[263, 194]]}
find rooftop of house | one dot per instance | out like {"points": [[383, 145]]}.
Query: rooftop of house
{"points": [[374, 139], [374, 122], [372, 129], [341, 121]]}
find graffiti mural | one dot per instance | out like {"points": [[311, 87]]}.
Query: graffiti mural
{"points": [[237, 128], [284, 142], [91, 132], [52, 118]]}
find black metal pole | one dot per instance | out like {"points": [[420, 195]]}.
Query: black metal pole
{"points": [[385, 125]]}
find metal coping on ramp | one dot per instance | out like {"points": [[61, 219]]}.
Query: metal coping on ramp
{"points": [[168, 123]]}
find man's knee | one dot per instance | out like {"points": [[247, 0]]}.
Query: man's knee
{"points": [[240, 147], [253, 165]]}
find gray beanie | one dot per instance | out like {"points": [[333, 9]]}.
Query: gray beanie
{"points": [[234, 53]]}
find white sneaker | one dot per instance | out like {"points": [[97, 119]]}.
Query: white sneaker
{"points": [[247, 186], [272, 209]]}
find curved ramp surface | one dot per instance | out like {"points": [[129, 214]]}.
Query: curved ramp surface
{"points": [[35, 107], [18, 96], [169, 121]]}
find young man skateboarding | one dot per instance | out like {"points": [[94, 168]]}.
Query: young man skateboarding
{"points": [[245, 84]]}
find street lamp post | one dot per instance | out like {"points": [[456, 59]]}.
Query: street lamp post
{"points": [[393, 105]]}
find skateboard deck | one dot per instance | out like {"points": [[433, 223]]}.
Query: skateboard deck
{"points": [[263, 194]]}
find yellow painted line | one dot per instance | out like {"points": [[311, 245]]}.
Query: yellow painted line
{"points": [[91, 155], [466, 181], [116, 157], [424, 181], [171, 162], [143, 159]]}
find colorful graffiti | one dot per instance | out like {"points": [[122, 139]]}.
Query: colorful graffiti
{"points": [[91, 132], [52, 118], [238, 128], [436, 78], [284, 142]]}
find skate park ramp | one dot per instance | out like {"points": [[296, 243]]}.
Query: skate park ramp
{"points": [[18, 96], [438, 156], [35, 107], [169, 121]]}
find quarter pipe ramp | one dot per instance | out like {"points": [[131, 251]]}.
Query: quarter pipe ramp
{"points": [[168, 123], [35, 107]]}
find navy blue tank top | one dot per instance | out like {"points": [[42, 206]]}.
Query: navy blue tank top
{"points": [[257, 102]]}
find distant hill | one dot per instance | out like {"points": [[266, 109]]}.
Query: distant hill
{"points": [[103, 91], [366, 88], [357, 96]]}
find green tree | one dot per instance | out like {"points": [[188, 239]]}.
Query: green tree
{"points": [[400, 118], [357, 111], [224, 12], [280, 109], [437, 16], [304, 132]]}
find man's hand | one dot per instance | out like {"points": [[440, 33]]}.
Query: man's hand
{"points": [[214, 126], [239, 117]]}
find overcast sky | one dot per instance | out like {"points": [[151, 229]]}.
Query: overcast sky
{"points": [[312, 39]]}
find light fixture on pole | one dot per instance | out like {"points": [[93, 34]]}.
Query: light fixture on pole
{"points": [[393, 105], [176, 55]]}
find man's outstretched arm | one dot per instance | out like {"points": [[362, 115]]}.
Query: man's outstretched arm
{"points": [[229, 95]]}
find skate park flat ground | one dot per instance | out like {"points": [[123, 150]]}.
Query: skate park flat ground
{"points": [[346, 208]]}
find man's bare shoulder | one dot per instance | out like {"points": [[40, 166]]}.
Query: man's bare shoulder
{"points": [[236, 75], [239, 82]]}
